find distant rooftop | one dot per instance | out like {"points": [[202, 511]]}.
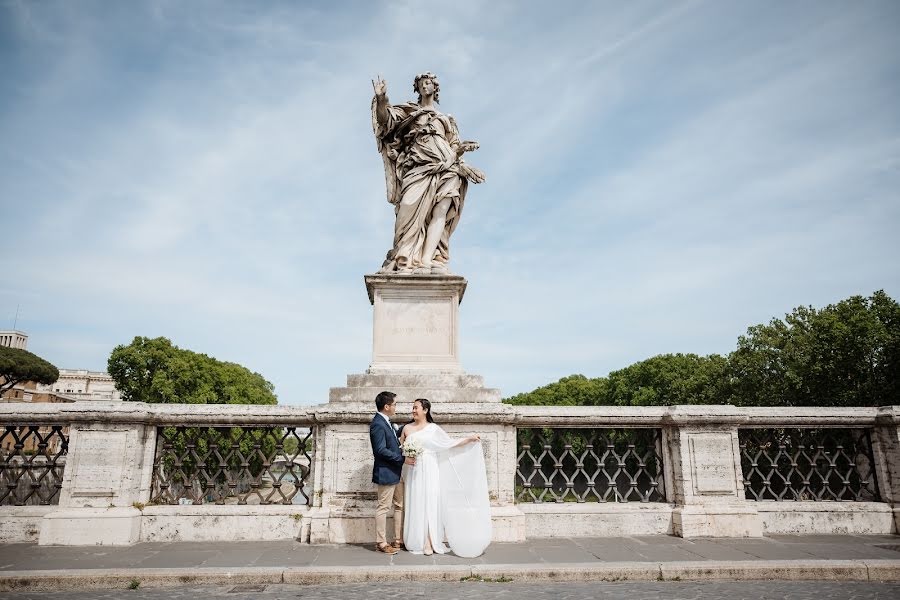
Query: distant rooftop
{"points": [[13, 338]]}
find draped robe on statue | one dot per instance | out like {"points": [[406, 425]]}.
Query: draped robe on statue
{"points": [[446, 496], [418, 146]]}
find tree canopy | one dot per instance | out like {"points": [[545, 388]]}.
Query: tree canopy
{"points": [[574, 390], [17, 366], [154, 370], [846, 354]]}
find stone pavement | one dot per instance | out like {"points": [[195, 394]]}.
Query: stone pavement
{"points": [[846, 558]]}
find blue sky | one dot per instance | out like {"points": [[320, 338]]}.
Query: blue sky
{"points": [[661, 175]]}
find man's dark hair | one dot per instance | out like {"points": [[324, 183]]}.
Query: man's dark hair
{"points": [[383, 399]]}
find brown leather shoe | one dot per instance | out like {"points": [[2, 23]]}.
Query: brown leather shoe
{"points": [[398, 544], [386, 548]]}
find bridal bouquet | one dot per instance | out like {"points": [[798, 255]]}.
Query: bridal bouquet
{"points": [[412, 448]]}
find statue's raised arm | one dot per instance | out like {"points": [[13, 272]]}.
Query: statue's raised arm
{"points": [[425, 175], [380, 87]]}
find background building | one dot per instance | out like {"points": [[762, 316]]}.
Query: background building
{"points": [[81, 384], [14, 339], [72, 385]]}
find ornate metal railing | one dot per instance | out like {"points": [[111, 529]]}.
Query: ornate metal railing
{"points": [[589, 465], [232, 465], [32, 462], [808, 464]]}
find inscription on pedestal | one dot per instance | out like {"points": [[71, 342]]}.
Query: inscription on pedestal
{"points": [[100, 463], [419, 328], [712, 456]]}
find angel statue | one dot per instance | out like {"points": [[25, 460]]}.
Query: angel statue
{"points": [[425, 174]]}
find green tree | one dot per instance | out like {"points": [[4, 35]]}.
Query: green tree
{"points": [[846, 354], [17, 366], [574, 390], [156, 371], [670, 379], [666, 379]]}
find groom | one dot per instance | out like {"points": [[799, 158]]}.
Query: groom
{"points": [[386, 472]]}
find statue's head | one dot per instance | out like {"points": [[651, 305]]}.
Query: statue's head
{"points": [[427, 76]]}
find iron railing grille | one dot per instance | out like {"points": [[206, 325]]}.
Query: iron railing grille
{"points": [[232, 465], [808, 465], [32, 462], [590, 465]]}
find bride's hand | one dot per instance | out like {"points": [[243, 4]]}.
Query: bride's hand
{"points": [[474, 438], [410, 460]]}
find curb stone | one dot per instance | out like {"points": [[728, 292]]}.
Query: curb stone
{"points": [[619, 571], [778, 570], [110, 579]]}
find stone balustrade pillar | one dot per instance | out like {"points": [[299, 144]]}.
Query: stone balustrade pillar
{"points": [[107, 479], [886, 450], [704, 453]]}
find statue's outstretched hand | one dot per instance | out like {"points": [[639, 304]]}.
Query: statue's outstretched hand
{"points": [[379, 85], [464, 147]]}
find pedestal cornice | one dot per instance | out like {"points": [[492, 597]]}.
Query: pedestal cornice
{"points": [[456, 283]]}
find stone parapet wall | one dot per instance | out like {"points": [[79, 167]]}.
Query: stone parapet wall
{"points": [[113, 450]]}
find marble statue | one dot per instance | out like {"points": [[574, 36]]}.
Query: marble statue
{"points": [[425, 174]]}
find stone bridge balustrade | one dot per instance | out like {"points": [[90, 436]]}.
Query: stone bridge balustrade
{"points": [[135, 472], [109, 476]]}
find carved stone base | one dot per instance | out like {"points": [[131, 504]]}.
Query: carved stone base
{"points": [[716, 520], [810, 518], [91, 527], [439, 388]]}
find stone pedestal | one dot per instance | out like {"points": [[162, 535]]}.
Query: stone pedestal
{"points": [[709, 490], [415, 355], [415, 325], [108, 472], [415, 345]]}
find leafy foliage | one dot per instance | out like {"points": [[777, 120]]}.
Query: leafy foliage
{"points": [[670, 379], [846, 354], [156, 371], [574, 390], [18, 365]]}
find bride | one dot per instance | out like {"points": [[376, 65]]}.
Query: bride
{"points": [[446, 490]]}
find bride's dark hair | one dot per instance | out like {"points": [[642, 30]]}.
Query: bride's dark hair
{"points": [[426, 406]]}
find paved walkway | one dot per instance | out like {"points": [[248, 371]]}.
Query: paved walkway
{"points": [[29, 567]]}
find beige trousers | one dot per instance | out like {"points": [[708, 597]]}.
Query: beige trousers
{"points": [[389, 495]]}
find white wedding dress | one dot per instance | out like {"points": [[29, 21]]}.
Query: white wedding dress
{"points": [[446, 496]]}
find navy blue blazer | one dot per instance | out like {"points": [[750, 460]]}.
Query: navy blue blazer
{"points": [[386, 449]]}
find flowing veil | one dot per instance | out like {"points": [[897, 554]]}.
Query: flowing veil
{"points": [[465, 504]]}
